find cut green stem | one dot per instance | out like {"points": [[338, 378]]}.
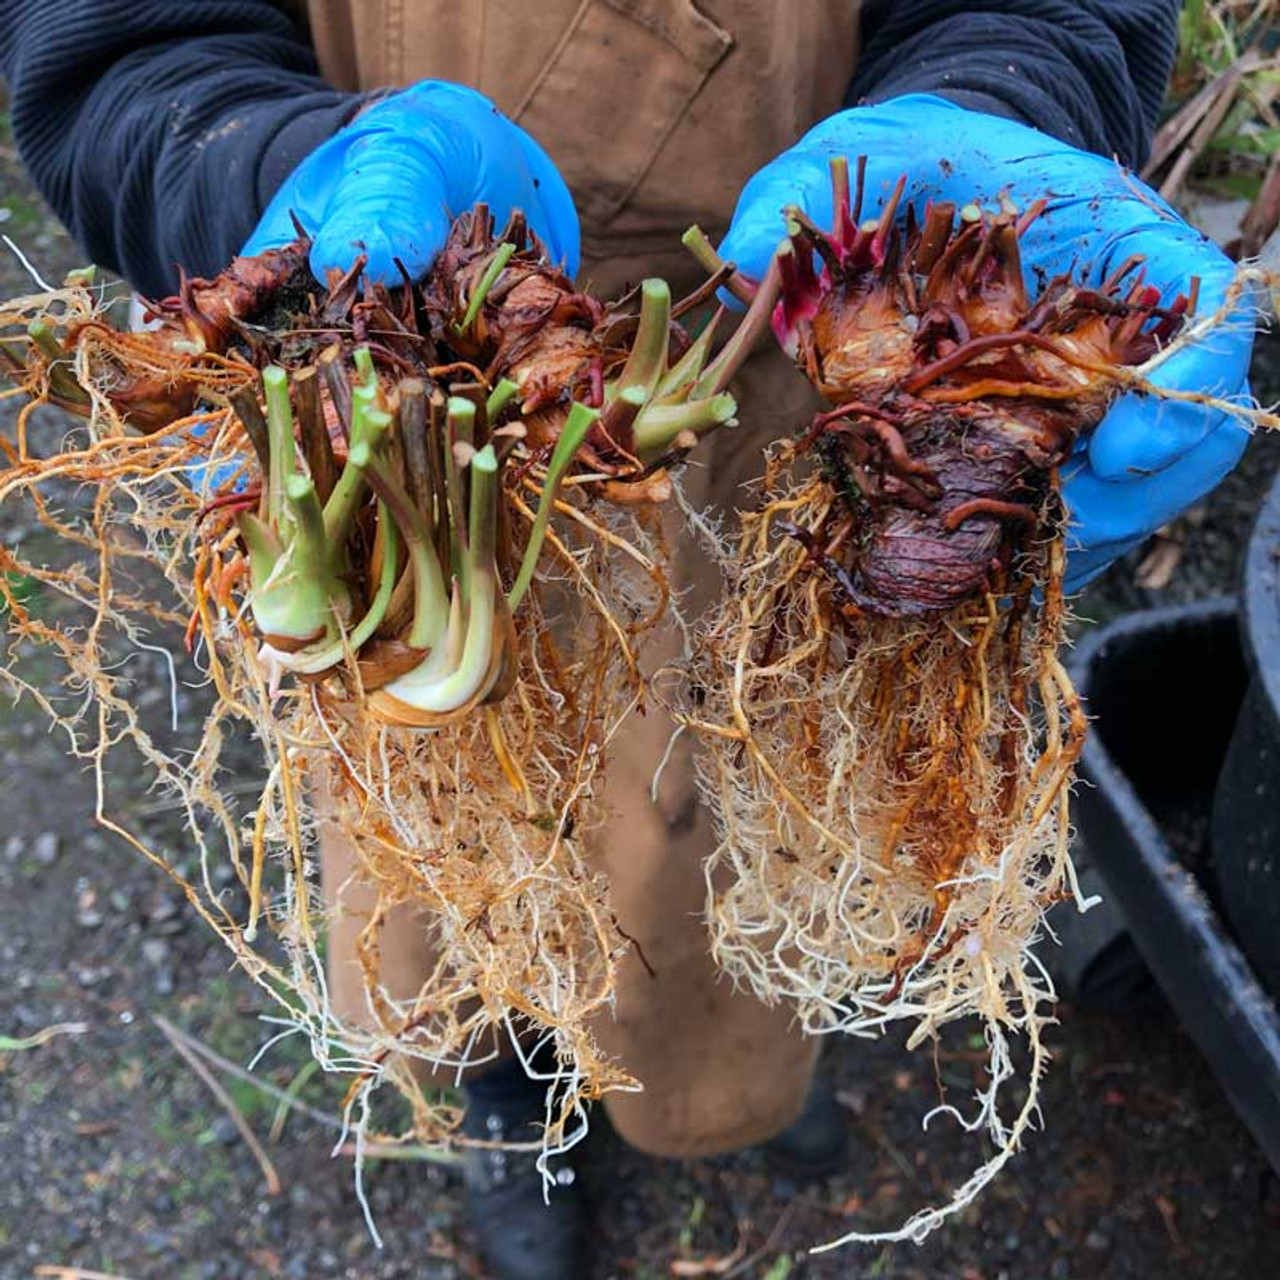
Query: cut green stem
{"points": [[431, 604], [460, 416], [498, 400], [62, 379], [658, 426], [755, 324], [482, 530], [467, 680], [572, 435], [363, 359], [310, 545], [648, 360], [312, 660], [244, 400], [684, 374], [486, 282], [369, 426], [275, 382], [695, 240], [413, 438]]}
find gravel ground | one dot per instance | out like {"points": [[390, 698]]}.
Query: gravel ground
{"points": [[119, 1160]]}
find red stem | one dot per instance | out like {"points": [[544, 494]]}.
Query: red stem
{"points": [[987, 507]]}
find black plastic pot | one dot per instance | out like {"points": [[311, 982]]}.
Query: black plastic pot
{"points": [[1165, 688], [1246, 814]]}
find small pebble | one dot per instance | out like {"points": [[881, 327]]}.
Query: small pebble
{"points": [[73, 1235], [46, 848], [224, 1131], [155, 951], [166, 907], [87, 914]]}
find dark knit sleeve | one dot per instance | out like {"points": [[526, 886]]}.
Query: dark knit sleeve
{"points": [[1092, 72], [159, 129]]}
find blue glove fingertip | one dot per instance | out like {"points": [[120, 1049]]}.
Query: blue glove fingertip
{"points": [[390, 182], [1109, 518], [552, 214]]}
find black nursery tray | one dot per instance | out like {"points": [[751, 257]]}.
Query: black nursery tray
{"points": [[1164, 688]]}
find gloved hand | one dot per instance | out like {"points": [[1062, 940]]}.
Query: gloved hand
{"points": [[1148, 459], [392, 180]]}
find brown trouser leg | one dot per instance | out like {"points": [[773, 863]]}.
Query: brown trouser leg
{"points": [[720, 1070]]}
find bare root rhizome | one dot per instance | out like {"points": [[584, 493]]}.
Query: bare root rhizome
{"points": [[889, 733], [412, 535]]}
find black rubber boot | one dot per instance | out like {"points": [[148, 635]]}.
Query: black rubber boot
{"points": [[521, 1235], [816, 1143]]}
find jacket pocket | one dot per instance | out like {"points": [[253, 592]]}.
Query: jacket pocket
{"points": [[613, 91]]}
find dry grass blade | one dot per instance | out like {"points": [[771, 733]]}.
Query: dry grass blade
{"points": [[1204, 132], [1263, 218], [1223, 123], [282, 1096], [1160, 563], [691, 1268], [169, 1031], [1179, 127], [18, 1044], [748, 1264], [289, 1102], [74, 1273]]}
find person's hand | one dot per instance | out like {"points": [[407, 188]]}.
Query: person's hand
{"points": [[390, 183], [1148, 459]]}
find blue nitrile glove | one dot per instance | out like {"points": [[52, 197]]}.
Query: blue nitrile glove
{"points": [[1147, 460], [390, 183]]}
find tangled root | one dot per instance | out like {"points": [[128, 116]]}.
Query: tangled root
{"points": [[891, 798], [479, 824]]}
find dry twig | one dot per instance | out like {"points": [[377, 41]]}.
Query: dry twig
{"points": [[168, 1030], [73, 1273]]}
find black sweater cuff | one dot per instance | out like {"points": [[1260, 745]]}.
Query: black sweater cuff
{"points": [[1091, 72], [159, 129], [295, 140]]}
